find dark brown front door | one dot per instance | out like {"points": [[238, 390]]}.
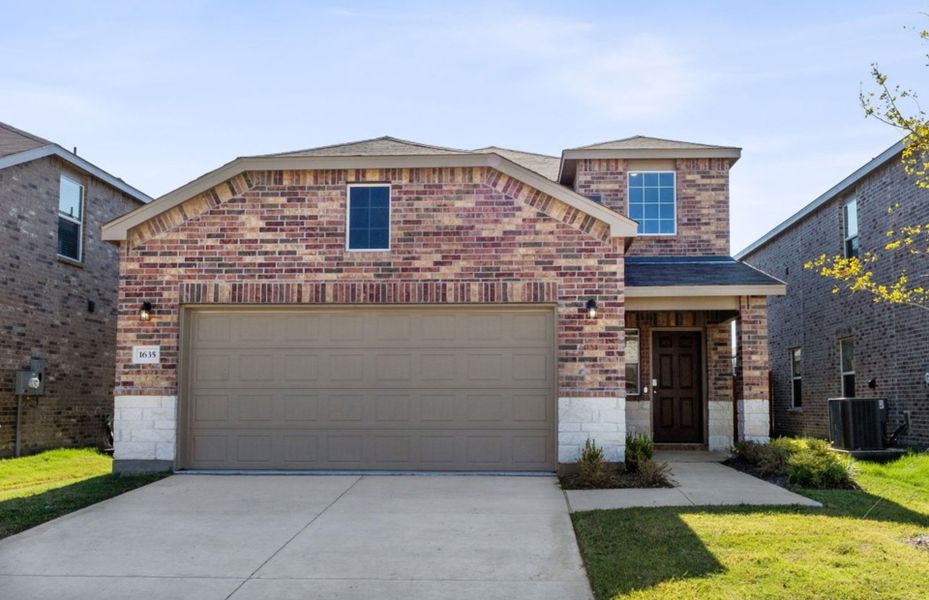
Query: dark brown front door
{"points": [[678, 396]]}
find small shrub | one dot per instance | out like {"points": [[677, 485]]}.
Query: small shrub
{"points": [[772, 460], [818, 468], [792, 445], [654, 474], [808, 462], [748, 450], [591, 467], [639, 448]]}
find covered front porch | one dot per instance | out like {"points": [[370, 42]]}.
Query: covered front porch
{"points": [[696, 351]]}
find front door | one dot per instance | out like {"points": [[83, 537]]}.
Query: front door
{"points": [[678, 395]]}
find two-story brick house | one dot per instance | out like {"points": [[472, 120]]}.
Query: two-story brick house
{"points": [[57, 290], [825, 345], [391, 305]]}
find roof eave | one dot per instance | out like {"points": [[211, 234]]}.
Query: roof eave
{"points": [[653, 153], [78, 162], [118, 229]]}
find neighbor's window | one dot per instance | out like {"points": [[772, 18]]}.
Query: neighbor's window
{"points": [[850, 223], [368, 217], [796, 377], [847, 364], [652, 202], [70, 218], [632, 362]]}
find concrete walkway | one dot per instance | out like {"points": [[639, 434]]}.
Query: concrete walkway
{"points": [[699, 483], [306, 537]]}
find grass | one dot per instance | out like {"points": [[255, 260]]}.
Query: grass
{"points": [[38, 488], [853, 548]]}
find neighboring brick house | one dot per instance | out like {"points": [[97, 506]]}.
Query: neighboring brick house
{"points": [[885, 347], [391, 305], [57, 290]]}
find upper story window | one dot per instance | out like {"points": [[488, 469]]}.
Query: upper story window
{"points": [[70, 218], [847, 366], [653, 202], [796, 377], [850, 225], [368, 217]]}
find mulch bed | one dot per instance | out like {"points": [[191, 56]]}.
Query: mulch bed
{"points": [[619, 480], [740, 464]]}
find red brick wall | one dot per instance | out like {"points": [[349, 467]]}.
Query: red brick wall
{"points": [[44, 309], [702, 204], [752, 342], [467, 235]]}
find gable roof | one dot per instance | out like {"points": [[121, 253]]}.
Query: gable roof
{"points": [[381, 146], [383, 153], [644, 142], [543, 164], [18, 147], [640, 147], [836, 190]]}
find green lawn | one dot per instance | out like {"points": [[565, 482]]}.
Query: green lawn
{"points": [[854, 547], [35, 489]]}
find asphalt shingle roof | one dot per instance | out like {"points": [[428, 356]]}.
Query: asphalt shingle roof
{"points": [[640, 142], [382, 146], [656, 271], [544, 165]]}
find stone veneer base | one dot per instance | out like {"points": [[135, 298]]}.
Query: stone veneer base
{"points": [[601, 419], [145, 428]]}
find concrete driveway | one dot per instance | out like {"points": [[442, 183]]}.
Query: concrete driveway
{"points": [[305, 537]]}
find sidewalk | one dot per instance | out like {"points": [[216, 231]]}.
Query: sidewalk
{"points": [[698, 483]]}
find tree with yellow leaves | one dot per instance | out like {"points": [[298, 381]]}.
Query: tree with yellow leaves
{"points": [[856, 274]]}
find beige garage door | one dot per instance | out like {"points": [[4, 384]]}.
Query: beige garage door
{"points": [[417, 388]]}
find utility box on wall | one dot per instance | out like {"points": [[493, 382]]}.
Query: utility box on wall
{"points": [[31, 381]]}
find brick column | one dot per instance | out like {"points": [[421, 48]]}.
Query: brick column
{"points": [[719, 385], [752, 366]]}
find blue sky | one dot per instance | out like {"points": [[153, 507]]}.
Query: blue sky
{"points": [[160, 92]]}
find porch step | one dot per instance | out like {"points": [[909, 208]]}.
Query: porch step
{"points": [[682, 447]]}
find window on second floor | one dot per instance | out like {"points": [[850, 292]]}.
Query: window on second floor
{"points": [[653, 202], [368, 217], [70, 218], [850, 226], [796, 377], [847, 366]]}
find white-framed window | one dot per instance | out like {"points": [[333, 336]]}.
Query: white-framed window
{"points": [[653, 201], [368, 217], [847, 366], [632, 362], [70, 218], [796, 377], [850, 228]]}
